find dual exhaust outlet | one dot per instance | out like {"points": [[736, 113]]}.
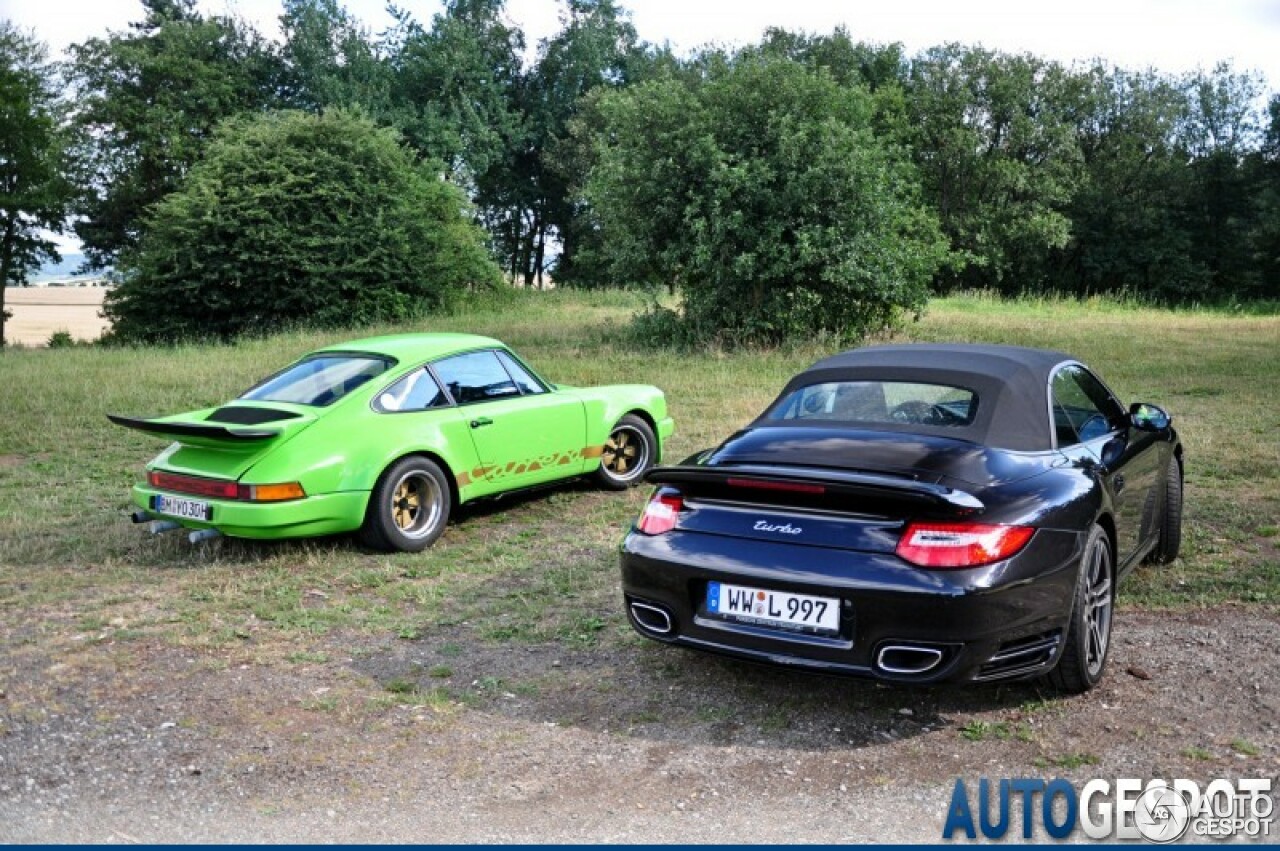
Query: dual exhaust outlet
{"points": [[157, 527]]}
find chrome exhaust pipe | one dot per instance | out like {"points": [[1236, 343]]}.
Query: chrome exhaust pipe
{"points": [[908, 659], [652, 618], [140, 517], [203, 535], [158, 526]]}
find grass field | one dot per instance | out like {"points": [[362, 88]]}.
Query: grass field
{"points": [[544, 567]]}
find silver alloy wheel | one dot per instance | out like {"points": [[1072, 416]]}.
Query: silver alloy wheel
{"points": [[626, 453], [1098, 603], [415, 504]]}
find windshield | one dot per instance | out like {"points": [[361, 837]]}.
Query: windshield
{"points": [[319, 380], [900, 402]]}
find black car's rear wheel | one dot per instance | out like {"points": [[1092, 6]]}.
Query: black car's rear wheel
{"points": [[628, 453], [1171, 519], [1084, 658], [408, 508]]}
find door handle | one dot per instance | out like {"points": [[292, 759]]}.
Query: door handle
{"points": [[1118, 481], [481, 421]]}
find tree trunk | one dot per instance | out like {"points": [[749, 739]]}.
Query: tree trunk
{"points": [[541, 252], [6, 265]]}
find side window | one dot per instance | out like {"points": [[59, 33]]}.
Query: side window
{"points": [[415, 392], [1082, 407], [475, 377], [527, 383]]}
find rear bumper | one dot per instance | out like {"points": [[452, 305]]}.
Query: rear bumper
{"points": [[1002, 621], [322, 514]]}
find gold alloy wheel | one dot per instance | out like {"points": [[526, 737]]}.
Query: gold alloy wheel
{"points": [[415, 504], [625, 453]]}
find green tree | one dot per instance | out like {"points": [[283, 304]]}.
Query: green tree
{"points": [[331, 60], [33, 191], [292, 217], [764, 195], [996, 148], [596, 48], [146, 102], [455, 88]]}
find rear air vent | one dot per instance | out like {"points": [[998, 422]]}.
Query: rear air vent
{"points": [[247, 415], [1023, 656]]}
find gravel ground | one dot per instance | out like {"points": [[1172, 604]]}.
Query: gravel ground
{"points": [[441, 739]]}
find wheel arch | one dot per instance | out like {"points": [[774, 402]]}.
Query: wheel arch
{"points": [[1108, 524], [431, 456]]}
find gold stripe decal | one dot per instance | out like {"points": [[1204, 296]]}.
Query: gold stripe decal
{"points": [[518, 467]]}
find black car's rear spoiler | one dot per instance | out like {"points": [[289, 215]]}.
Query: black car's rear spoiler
{"points": [[840, 482], [179, 430]]}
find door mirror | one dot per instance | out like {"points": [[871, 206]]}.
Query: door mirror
{"points": [[1147, 417]]}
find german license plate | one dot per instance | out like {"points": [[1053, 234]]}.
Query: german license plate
{"points": [[773, 608], [176, 506]]}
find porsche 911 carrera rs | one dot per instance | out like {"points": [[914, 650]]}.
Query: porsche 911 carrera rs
{"points": [[914, 513], [385, 437]]}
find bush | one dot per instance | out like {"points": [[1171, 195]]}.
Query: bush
{"points": [[293, 218], [61, 340], [763, 194]]}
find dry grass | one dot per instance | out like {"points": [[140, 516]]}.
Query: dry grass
{"points": [[39, 312]]}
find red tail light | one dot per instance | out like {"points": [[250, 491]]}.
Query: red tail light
{"points": [[221, 489], [961, 544], [769, 485], [662, 512], [193, 485]]}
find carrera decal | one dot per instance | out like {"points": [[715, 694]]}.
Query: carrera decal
{"points": [[517, 468]]}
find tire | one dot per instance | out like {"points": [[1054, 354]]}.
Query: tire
{"points": [[1170, 541], [1084, 659], [409, 507], [628, 454]]}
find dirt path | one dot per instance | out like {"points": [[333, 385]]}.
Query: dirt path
{"points": [[440, 739]]}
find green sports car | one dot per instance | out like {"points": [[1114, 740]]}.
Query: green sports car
{"points": [[385, 437]]}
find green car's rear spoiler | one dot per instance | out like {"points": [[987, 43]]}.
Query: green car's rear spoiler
{"points": [[180, 430]]}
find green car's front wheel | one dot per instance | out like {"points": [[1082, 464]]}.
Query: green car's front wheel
{"points": [[409, 507], [628, 454]]}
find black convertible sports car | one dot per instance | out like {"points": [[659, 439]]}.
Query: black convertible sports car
{"points": [[916, 513]]}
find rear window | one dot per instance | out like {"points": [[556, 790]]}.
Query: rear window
{"points": [[319, 380], [901, 402]]}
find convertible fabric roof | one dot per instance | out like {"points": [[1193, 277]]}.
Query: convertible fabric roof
{"points": [[1011, 384]]}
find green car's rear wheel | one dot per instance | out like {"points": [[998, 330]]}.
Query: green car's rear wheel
{"points": [[628, 454], [409, 507]]}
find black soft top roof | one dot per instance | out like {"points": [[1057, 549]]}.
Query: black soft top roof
{"points": [[1011, 383]]}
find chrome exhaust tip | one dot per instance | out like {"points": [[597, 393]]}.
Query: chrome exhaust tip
{"points": [[652, 618], [140, 517], [158, 526], [203, 535], [908, 659]]}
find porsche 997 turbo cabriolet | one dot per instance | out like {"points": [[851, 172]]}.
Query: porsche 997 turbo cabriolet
{"points": [[914, 513]]}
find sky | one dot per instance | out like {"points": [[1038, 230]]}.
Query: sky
{"points": [[1169, 35]]}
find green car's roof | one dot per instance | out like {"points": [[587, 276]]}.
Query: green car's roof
{"points": [[415, 347]]}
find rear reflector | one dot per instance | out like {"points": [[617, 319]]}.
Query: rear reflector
{"points": [[944, 545], [662, 512], [767, 485], [220, 489]]}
